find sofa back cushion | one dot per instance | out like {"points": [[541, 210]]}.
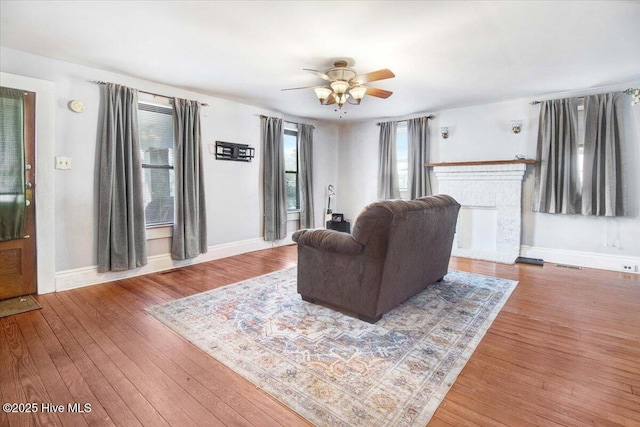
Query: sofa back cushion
{"points": [[412, 239], [419, 248]]}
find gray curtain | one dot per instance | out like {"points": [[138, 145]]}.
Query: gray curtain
{"points": [[305, 141], [190, 219], [601, 186], [12, 185], [388, 185], [121, 225], [556, 178], [418, 141], [275, 197]]}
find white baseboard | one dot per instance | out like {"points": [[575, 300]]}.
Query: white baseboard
{"points": [[85, 276], [581, 259]]}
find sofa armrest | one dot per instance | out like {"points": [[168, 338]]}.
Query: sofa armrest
{"points": [[328, 240]]}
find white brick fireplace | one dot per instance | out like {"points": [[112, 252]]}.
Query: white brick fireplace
{"points": [[490, 194]]}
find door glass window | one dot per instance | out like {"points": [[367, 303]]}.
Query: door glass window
{"points": [[12, 163]]}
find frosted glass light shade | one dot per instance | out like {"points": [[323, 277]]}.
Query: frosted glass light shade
{"points": [[342, 99], [358, 92], [340, 87], [322, 93]]}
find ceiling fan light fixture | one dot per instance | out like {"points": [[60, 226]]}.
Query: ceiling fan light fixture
{"points": [[358, 92], [322, 93], [344, 86], [339, 87]]}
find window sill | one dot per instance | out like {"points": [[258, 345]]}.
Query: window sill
{"points": [[293, 215], [159, 232]]}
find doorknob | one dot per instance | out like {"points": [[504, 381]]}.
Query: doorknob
{"points": [[28, 184]]}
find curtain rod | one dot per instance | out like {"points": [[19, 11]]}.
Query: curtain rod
{"points": [[100, 82], [430, 116], [629, 91], [294, 123], [287, 121], [540, 102]]}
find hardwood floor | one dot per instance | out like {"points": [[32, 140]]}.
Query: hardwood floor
{"points": [[565, 350]]}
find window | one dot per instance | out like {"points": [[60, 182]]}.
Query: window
{"points": [[581, 131], [156, 152], [291, 169], [402, 158]]}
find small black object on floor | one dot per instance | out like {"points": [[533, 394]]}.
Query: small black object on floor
{"points": [[341, 225], [532, 261]]}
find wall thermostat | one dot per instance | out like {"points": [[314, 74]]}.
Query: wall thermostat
{"points": [[76, 106]]}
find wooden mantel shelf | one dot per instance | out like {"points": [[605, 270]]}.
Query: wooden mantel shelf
{"points": [[482, 162]]}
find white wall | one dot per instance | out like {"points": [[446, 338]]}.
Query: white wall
{"points": [[233, 189], [483, 133], [345, 155], [357, 168]]}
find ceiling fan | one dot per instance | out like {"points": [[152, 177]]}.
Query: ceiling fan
{"points": [[345, 84]]}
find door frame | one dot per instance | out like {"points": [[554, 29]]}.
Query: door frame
{"points": [[44, 187]]}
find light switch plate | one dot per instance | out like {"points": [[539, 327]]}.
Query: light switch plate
{"points": [[63, 163]]}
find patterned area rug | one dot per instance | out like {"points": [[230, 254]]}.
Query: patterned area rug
{"points": [[332, 368]]}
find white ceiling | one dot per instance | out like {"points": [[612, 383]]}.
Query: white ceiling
{"points": [[445, 54]]}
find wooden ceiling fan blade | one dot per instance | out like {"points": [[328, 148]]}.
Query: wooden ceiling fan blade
{"points": [[318, 73], [380, 93], [374, 76], [304, 87]]}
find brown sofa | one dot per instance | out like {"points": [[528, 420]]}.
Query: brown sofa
{"points": [[397, 249]]}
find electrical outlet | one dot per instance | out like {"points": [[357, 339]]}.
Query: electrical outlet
{"points": [[63, 163], [629, 268]]}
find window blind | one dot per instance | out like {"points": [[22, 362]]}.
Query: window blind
{"points": [[157, 153]]}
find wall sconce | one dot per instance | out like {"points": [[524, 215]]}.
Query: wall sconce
{"points": [[444, 131], [516, 126]]}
